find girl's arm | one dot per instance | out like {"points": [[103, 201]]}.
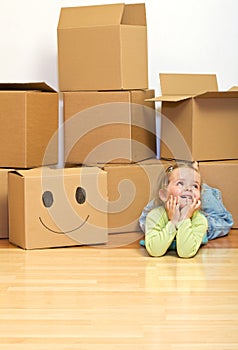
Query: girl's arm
{"points": [[159, 232], [190, 233]]}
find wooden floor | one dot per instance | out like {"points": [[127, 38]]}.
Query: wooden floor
{"points": [[117, 297]]}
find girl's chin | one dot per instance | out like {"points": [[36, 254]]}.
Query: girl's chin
{"points": [[184, 201]]}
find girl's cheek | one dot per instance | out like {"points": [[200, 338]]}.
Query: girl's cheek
{"points": [[177, 193], [198, 194]]}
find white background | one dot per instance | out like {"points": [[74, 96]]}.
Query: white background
{"points": [[184, 36]]}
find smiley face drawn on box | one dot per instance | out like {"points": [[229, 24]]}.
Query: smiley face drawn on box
{"points": [[75, 199], [48, 202], [59, 207]]}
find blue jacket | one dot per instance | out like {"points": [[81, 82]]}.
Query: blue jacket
{"points": [[219, 218]]}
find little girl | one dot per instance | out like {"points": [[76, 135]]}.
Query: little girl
{"points": [[176, 219]]}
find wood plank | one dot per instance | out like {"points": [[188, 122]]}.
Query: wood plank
{"points": [[117, 297]]}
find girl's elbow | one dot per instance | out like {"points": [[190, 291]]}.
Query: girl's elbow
{"points": [[154, 251], [186, 254]]}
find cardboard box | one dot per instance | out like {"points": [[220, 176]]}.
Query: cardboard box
{"points": [[29, 122], [103, 47], [4, 202], [57, 207], [223, 175], [103, 126], [198, 121], [130, 188], [234, 88]]}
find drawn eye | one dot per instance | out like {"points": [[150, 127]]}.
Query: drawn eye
{"points": [[47, 199], [80, 195]]}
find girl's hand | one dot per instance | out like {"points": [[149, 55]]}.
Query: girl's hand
{"points": [[187, 211], [172, 209]]}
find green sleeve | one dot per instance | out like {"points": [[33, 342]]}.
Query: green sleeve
{"points": [[159, 232], [190, 233]]}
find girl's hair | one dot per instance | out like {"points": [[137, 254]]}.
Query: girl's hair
{"points": [[164, 178]]}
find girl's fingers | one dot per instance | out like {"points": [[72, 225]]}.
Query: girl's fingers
{"points": [[198, 204]]}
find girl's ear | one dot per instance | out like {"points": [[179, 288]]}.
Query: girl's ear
{"points": [[163, 195]]}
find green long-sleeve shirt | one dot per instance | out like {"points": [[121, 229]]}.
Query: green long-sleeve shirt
{"points": [[160, 233]]}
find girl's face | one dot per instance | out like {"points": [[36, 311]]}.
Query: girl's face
{"points": [[184, 185]]}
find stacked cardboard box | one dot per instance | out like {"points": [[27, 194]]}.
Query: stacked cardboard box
{"points": [[42, 207], [200, 123], [57, 207], [223, 175], [130, 188], [102, 47], [103, 75], [29, 145], [109, 126], [29, 121], [4, 203]]}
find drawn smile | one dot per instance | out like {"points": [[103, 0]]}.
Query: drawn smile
{"points": [[64, 232]]}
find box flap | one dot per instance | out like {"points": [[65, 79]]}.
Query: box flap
{"points": [[28, 172], [134, 14], [83, 170], [170, 98], [89, 16], [40, 86], [179, 87], [187, 84], [233, 88], [218, 94], [14, 171], [47, 171], [208, 94]]}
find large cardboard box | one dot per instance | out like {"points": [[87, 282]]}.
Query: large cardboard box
{"points": [[130, 188], [103, 126], [29, 122], [198, 121], [58, 207], [223, 175], [4, 202], [103, 47]]}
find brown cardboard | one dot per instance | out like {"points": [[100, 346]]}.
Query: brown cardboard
{"points": [[223, 175], [4, 202], [29, 122], [103, 47], [103, 126], [198, 121], [47, 207], [130, 188]]}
